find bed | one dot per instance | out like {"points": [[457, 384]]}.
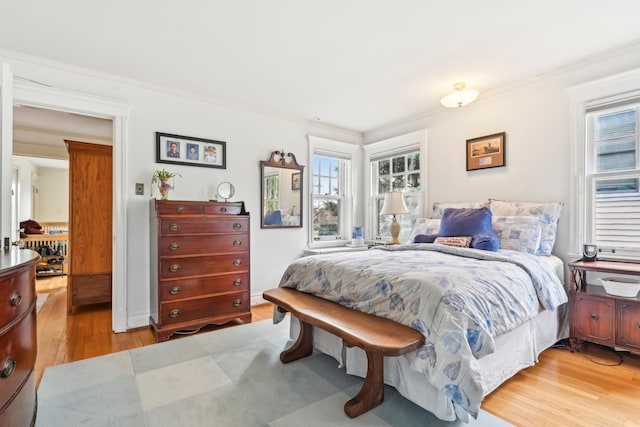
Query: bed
{"points": [[485, 314]]}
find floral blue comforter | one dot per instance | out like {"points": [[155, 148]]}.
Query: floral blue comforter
{"points": [[459, 298]]}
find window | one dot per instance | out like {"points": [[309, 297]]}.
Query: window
{"points": [[612, 178], [331, 213], [271, 190], [396, 173], [396, 164]]}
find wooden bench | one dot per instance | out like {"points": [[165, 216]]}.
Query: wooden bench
{"points": [[375, 335]]}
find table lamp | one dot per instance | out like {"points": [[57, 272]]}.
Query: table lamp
{"points": [[394, 205]]}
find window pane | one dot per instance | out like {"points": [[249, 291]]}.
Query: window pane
{"points": [[398, 183], [325, 185], [398, 164], [326, 219], [413, 162], [616, 125], [335, 168], [383, 185], [615, 155], [383, 167], [325, 166], [413, 182]]}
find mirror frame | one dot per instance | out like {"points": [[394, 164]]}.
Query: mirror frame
{"points": [[282, 160]]}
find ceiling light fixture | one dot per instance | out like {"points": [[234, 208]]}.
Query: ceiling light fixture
{"points": [[460, 96]]}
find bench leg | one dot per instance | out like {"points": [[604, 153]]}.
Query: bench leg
{"points": [[372, 392], [303, 346]]}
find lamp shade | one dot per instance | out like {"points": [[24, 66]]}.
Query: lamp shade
{"points": [[394, 204], [460, 96]]}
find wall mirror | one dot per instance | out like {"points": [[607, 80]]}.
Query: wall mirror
{"points": [[281, 191]]}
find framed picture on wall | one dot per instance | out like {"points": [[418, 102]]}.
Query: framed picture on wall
{"points": [[486, 152], [190, 151], [295, 181]]}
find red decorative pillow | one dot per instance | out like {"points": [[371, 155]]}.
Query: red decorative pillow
{"points": [[460, 241]]}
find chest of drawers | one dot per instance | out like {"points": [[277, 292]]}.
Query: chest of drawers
{"points": [[200, 265], [18, 342]]}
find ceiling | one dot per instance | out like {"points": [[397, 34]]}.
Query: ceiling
{"points": [[357, 64]]}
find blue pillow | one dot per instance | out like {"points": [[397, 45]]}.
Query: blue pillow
{"points": [[425, 238], [470, 222]]}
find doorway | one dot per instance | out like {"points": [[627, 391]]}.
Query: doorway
{"points": [[43, 173]]}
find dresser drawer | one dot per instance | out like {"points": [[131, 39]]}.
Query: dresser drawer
{"points": [[174, 268], [195, 226], [628, 327], [224, 208], [165, 207], [201, 286], [192, 309], [16, 295], [593, 318], [192, 245], [17, 355]]}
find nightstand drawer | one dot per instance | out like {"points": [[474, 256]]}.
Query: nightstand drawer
{"points": [[628, 327], [593, 319]]}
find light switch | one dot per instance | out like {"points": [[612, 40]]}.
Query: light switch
{"points": [[139, 189]]}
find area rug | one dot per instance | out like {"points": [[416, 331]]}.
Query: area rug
{"points": [[40, 300], [230, 377]]}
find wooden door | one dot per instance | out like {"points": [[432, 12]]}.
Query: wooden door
{"points": [[90, 223]]}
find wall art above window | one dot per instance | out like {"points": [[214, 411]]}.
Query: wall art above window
{"points": [[190, 151], [486, 152]]}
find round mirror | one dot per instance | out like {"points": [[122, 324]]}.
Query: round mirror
{"points": [[226, 190]]}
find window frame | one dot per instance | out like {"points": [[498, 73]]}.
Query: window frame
{"points": [[349, 156], [612, 91], [389, 148]]}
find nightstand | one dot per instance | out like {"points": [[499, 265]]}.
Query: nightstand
{"points": [[598, 317]]}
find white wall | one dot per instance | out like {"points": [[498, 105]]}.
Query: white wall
{"points": [[52, 203], [250, 137], [536, 119]]}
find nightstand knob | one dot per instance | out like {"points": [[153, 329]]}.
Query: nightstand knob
{"points": [[237, 302], [238, 282], [174, 227], [237, 262], [15, 299], [594, 316], [174, 268], [237, 242], [237, 226], [8, 366], [180, 209], [174, 290], [174, 246], [174, 313], [223, 209]]}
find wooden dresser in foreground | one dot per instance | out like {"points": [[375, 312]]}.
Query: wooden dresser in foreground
{"points": [[200, 265], [18, 341]]}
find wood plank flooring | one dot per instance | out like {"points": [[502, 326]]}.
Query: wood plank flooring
{"points": [[563, 389]]}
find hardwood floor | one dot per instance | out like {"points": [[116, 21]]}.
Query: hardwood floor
{"points": [[564, 388]]}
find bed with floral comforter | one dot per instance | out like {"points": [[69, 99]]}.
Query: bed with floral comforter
{"points": [[459, 298]]}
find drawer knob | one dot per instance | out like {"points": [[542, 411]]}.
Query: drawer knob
{"points": [[237, 262], [174, 313], [8, 366], [594, 316], [174, 268], [174, 227], [237, 242], [180, 209], [238, 282], [237, 226], [237, 302], [174, 290], [223, 209], [174, 246], [15, 298]]}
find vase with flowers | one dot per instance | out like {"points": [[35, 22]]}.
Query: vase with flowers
{"points": [[164, 180]]}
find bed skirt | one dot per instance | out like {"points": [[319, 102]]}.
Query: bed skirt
{"points": [[515, 351]]}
